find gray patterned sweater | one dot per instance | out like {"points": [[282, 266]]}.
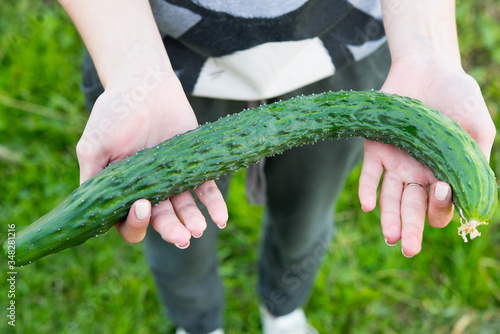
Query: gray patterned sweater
{"points": [[258, 49]]}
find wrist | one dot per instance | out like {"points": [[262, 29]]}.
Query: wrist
{"points": [[422, 55], [118, 37], [425, 65], [140, 64], [422, 31], [414, 75]]}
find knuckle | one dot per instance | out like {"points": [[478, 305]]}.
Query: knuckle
{"points": [[130, 235], [84, 149], [162, 213], [174, 233], [439, 218], [187, 209], [134, 238], [191, 215], [208, 190], [438, 222]]}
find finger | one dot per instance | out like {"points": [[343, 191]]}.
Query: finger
{"points": [[390, 209], [167, 224], [90, 159], [211, 197], [440, 210], [369, 179], [413, 209], [188, 213], [133, 229]]}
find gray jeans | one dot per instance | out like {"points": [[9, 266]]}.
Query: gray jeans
{"points": [[302, 186]]}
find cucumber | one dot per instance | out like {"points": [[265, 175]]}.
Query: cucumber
{"points": [[235, 141]]}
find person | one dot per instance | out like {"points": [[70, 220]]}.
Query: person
{"points": [[152, 65]]}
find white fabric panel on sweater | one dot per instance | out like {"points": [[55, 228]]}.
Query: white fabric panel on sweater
{"points": [[361, 51], [371, 7], [269, 70]]}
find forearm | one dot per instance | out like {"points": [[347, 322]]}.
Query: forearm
{"points": [[117, 33], [422, 30]]}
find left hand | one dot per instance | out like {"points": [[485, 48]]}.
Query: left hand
{"points": [[404, 209]]}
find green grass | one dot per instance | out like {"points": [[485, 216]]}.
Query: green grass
{"points": [[104, 286]]}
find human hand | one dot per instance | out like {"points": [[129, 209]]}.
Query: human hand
{"points": [[404, 209], [141, 110]]}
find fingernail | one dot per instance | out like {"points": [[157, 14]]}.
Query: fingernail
{"points": [[388, 244], [402, 251], [441, 191], [141, 210], [183, 247], [197, 236], [221, 226]]}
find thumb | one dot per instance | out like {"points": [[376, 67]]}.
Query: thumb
{"points": [[91, 159], [440, 206]]}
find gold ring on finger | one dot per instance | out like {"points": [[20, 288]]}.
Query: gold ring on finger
{"points": [[414, 184]]}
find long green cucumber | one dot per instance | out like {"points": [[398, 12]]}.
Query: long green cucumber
{"points": [[213, 149]]}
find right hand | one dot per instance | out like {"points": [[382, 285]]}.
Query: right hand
{"points": [[404, 211], [144, 109]]}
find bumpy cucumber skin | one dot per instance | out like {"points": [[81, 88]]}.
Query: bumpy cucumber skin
{"points": [[213, 149]]}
